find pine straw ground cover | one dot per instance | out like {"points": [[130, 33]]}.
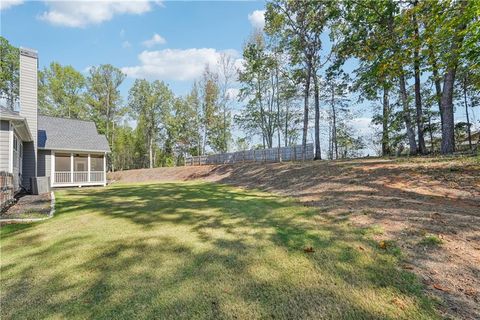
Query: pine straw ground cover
{"points": [[188, 250], [29, 206]]}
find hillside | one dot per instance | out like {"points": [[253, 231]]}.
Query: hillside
{"points": [[428, 207]]}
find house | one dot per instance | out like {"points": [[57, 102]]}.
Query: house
{"points": [[34, 147]]}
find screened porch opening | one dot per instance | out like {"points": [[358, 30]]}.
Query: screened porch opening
{"points": [[78, 168]]}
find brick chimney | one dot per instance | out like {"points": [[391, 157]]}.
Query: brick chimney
{"points": [[29, 109]]}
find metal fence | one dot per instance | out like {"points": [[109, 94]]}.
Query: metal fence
{"points": [[292, 153], [7, 191]]}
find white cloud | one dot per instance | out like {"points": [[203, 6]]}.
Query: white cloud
{"points": [[257, 19], [122, 33], [126, 44], [232, 93], [5, 4], [78, 14], [362, 125], [175, 64], [156, 39]]}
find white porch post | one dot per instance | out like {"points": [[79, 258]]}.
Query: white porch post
{"points": [[71, 167], [52, 168], [89, 167], [104, 169]]}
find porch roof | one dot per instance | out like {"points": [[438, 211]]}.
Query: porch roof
{"points": [[70, 134]]}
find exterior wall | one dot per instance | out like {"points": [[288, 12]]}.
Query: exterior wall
{"points": [[5, 145], [44, 164], [28, 109]]}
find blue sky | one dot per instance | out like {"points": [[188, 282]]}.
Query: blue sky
{"points": [[185, 34]]}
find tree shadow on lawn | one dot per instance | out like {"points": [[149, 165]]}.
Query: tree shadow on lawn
{"points": [[241, 255]]}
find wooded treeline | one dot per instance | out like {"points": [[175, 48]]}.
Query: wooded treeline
{"points": [[417, 59], [415, 63]]}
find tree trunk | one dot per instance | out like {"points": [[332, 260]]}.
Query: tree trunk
{"points": [[225, 145], [286, 125], [305, 109], [418, 98], [334, 125], [204, 136], [318, 152], [448, 126], [431, 134], [330, 149], [262, 113], [469, 132], [406, 110], [150, 151], [385, 118], [278, 114]]}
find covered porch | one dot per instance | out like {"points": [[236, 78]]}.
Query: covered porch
{"points": [[78, 169]]}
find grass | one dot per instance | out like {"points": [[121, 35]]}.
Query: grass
{"points": [[199, 250], [431, 240]]}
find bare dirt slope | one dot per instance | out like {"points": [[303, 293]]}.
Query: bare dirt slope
{"points": [[415, 203]]}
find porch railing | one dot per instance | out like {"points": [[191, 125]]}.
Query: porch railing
{"points": [[97, 176], [65, 177], [80, 176]]}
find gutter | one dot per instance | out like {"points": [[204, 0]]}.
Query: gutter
{"points": [[74, 150]]}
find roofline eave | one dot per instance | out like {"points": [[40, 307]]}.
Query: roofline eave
{"points": [[22, 126], [74, 150]]}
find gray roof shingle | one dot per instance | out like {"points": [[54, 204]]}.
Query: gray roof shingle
{"points": [[6, 113], [70, 134]]}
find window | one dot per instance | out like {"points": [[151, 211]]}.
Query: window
{"points": [[96, 162], [16, 157], [62, 162]]}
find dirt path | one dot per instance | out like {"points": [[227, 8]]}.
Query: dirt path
{"points": [[429, 207]]}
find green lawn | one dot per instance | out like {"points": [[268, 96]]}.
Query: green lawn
{"points": [[199, 250]]}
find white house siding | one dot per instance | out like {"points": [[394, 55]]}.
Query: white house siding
{"points": [[28, 109], [44, 164], [4, 145]]}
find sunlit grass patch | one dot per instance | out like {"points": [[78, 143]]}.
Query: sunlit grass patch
{"points": [[200, 251]]}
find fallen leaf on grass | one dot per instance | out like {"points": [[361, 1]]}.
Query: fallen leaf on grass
{"points": [[308, 250], [382, 244], [439, 287]]}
